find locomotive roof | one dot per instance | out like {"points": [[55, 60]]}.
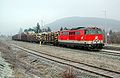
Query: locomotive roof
{"points": [[77, 28], [81, 28]]}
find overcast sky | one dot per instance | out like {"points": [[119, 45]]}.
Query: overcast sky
{"points": [[26, 13]]}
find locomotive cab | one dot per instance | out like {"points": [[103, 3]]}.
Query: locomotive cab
{"points": [[94, 37]]}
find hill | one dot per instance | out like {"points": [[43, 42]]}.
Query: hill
{"points": [[71, 22]]}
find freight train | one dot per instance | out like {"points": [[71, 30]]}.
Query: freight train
{"points": [[91, 38]]}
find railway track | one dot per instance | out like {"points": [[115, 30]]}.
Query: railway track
{"points": [[103, 51], [82, 66], [111, 52]]}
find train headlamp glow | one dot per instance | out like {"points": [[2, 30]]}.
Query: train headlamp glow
{"points": [[96, 37]]}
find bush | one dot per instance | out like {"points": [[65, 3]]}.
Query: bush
{"points": [[68, 73]]}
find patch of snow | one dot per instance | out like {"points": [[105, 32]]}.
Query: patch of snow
{"points": [[5, 70]]}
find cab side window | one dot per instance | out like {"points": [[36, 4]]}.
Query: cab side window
{"points": [[77, 33], [86, 31], [65, 33]]}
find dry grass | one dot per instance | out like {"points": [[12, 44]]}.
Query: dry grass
{"points": [[68, 73], [21, 54], [4, 48], [20, 73]]}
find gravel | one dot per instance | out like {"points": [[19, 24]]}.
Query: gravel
{"points": [[93, 58], [46, 69], [25, 65]]}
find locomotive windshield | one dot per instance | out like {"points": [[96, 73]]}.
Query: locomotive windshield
{"points": [[94, 31]]}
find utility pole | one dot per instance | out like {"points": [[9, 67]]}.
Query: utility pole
{"points": [[41, 23], [105, 12], [41, 30]]}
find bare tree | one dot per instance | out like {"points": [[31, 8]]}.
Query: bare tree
{"points": [[38, 30], [61, 28], [65, 28], [48, 29]]}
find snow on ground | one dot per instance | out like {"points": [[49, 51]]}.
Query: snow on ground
{"points": [[5, 70]]}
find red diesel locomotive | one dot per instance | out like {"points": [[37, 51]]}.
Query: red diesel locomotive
{"points": [[90, 38]]}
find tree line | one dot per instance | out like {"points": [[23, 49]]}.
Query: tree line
{"points": [[37, 29], [113, 37]]}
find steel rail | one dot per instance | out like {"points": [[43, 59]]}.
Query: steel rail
{"points": [[82, 66]]}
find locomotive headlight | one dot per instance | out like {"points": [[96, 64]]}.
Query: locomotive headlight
{"points": [[96, 37]]}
